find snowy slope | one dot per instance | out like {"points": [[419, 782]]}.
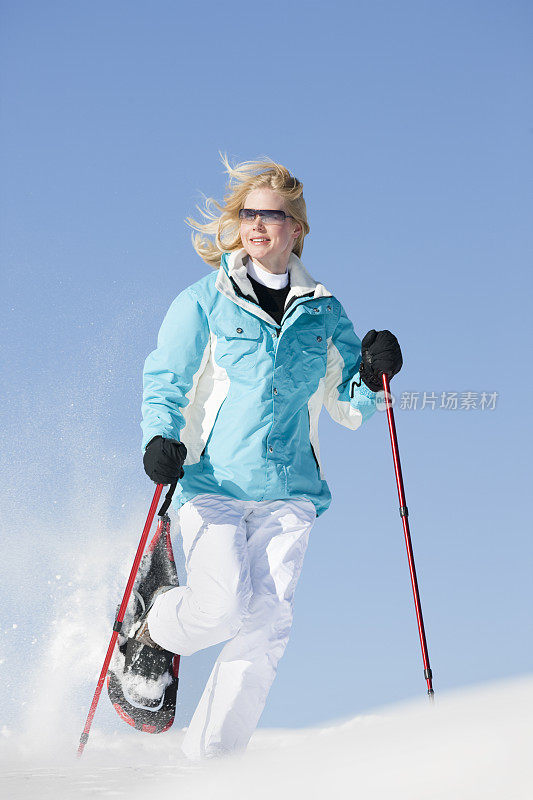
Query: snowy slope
{"points": [[473, 743]]}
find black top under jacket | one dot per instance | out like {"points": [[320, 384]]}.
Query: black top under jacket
{"points": [[271, 300]]}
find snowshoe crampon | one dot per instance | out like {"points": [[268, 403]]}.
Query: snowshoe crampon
{"points": [[142, 681]]}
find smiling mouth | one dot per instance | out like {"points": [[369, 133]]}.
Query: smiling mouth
{"points": [[259, 240]]}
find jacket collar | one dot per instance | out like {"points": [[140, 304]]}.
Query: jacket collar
{"points": [[233, 282]]}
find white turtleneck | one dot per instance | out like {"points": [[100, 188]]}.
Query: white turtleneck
{"points": [[265, 277]]}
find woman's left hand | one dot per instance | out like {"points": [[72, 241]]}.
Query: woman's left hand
{"points": [[380, 352]]}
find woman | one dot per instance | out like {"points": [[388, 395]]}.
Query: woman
{"points": [[246, 358]]}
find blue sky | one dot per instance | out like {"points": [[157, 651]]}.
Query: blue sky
{"points": [[410, 125]]}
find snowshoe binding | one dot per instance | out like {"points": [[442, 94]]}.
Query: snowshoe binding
{"points": [[142, 680]]}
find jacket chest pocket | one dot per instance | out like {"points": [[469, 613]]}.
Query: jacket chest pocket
{"points": [[237, 345], [313, 350]]}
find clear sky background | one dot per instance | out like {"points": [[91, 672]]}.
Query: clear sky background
{"points": [[411, 126]]}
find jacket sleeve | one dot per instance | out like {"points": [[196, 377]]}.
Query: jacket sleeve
{"points": [[346, 402], [171, 371]]}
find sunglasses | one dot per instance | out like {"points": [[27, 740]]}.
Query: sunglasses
{"points": [[268, 217]]}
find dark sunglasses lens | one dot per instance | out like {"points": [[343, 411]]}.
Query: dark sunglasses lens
{"points": [[271, 217], [247, 213], [274, 216]]}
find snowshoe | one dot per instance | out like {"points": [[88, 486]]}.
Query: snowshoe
{"points": [[142, 681]]}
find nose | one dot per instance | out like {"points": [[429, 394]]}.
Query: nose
{"points": [[258, 221]]}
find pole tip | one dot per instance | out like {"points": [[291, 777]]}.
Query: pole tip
{"points": [[83, 741]]}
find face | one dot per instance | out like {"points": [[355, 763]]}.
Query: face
{"points": [[269, 245]]}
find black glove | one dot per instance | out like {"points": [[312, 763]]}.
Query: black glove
{"points": [[380, 352], [163, 459]]}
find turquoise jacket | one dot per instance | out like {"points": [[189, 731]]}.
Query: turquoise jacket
{"points": [[244, 394]]}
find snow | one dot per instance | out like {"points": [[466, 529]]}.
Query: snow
{"points": [[471, 744], [136, 687]]}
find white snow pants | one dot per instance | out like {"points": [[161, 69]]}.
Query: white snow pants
{"points": [[243, 560]]}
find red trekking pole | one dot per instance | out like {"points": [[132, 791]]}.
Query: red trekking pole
{"points": [[120, 617], [404, 515]]}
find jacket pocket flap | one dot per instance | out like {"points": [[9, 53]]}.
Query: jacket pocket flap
{"points": [[245, 327], [314, 340]]}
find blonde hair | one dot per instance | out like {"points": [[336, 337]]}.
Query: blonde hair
{"points": [[223, 219]]}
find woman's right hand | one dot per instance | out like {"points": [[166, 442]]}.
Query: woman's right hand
{"points": [[163, 459]]}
